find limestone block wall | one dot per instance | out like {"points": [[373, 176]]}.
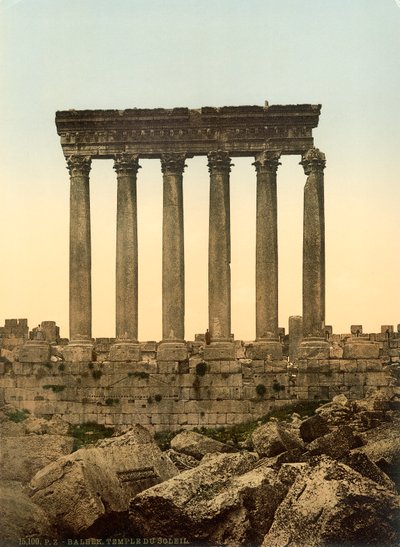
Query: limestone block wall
{"points": [[13, 333], [176, 395]]}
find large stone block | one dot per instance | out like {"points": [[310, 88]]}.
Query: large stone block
{"points": [[34, 351], [96, 483], [331, 504], [76, 353], [23, 456], [268, 350], [219, 352], [172, 352], [360, 349], [124, 351], [313, 349], [335, 351]]}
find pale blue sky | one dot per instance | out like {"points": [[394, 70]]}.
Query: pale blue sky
{"points": [[87, 54]]}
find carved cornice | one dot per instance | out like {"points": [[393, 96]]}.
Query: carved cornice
{"points": [[173, 164], [239, 130], [126, 164], [267, 161], [79, 165], [219, 162], [313, 161]]}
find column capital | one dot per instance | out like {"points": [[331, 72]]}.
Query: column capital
{"points": [[267, 161], [78, 165], [173, 163], [126, 164], [219, 161], [313, 161]]}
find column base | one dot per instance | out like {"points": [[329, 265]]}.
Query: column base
{"points": [[78, 350], [268, 350], [125, 350], [356, 348], [220, 351], [34, 351], [172, 351], [314, 348]]}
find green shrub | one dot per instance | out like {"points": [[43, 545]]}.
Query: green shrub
{"points": [[18, 415], [90, 366], [88, 433], [61, 367], [276, 386], [141, 375], [97, 374], [111, 401], [157, 397], [261, 390], [54, 387], [201, 368], [163, 438]]}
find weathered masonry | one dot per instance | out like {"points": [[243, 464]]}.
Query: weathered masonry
{"points": [[262, 133]]}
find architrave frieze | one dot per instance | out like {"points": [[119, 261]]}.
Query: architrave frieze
{"points": [[238, 130]]}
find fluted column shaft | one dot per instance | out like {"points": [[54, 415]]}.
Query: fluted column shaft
{"points": [[266, 165], [313, 163], [126, 167], [219, 250], [80, 264], [173, 267]]}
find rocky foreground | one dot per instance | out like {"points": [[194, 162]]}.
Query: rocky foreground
{"points": [[329, 479]]}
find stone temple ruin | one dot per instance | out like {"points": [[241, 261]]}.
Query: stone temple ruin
{"points": [[213, 380]]}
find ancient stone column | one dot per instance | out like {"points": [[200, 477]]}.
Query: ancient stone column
{"points": [[219, 250], [126, 347], [266, 165], [80, 295], [173, 266], [267, 345], [126, 167], [313, 162]]}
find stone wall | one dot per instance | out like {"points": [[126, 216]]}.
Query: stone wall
{"points": [[189, 393], [14, 333]]}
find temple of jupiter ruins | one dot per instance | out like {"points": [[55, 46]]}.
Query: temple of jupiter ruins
{"points": [[212, 380], [262, 133]]}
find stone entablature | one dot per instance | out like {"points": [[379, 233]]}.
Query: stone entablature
{"points": [[239, 130]]}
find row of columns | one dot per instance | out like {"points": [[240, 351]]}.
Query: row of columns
{"points": [[219, 277]]}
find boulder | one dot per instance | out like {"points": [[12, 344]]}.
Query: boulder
{"points": [[224, 500], [336, 444], [197, 445], [20, 517], [331, 504], [90, 489], [337, 412], [181, 461], [313, 427], [56, 425], [361, 463], [273, 438], [23, 456], [382, 446]]}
